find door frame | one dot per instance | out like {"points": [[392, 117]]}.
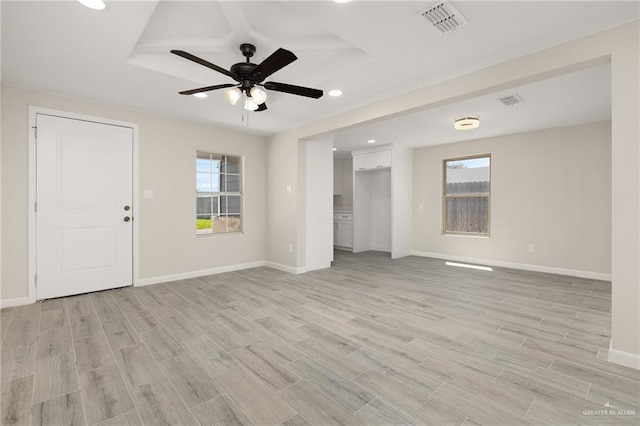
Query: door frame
{"points": [[32, 167]]}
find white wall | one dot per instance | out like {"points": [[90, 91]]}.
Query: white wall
{"points": [[380, 209], [1, 198], [401, 197], [550, 188], [168, 243], [319, 195], [282, 209], [362, 208], [345, 201]]}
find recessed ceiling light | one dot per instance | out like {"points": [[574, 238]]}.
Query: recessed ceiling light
{"points": [[466, 123], [200, 95], [334, 149], [93, 4], [342, 1], [335, 92], [371, 141]]}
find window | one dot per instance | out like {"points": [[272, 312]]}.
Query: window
{"points": [[218, 193], [467, 190]]}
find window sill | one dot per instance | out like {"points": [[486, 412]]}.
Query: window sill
{"points": [[212, 234], [462, 234]]}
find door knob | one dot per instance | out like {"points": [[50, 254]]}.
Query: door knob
{"points": [[127, 218]]}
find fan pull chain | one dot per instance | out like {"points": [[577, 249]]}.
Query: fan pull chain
{"points": [[243, 110]]}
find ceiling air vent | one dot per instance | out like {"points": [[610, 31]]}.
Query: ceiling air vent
{"points": [[443, 16], [511, 100]]}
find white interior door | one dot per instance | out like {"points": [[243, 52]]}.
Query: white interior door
{"points": [[84, 184]]}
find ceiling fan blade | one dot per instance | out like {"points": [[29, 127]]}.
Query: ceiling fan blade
{"points": [[278, 60], [294, 90], [207, 64], [261, 107], [206, 89]]}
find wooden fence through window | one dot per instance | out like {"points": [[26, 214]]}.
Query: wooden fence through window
{"points": [[467, 207]]}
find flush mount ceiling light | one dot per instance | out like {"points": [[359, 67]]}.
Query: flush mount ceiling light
{"points": [[335, 92], [371, 141], [467, 123], [334, 149], [93, 4]]}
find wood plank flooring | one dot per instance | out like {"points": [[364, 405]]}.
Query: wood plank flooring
{"points": [[370, 341]]}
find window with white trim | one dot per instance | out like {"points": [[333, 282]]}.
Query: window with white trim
{"points": [[467, 195], [218, 193]]}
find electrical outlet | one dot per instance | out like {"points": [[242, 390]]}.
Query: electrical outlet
{"points": [[532, 248], [290, 248]]}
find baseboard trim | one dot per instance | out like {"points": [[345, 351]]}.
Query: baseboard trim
{"points": [[285, 268], [624, 358], [196, 274], [386, 249], [18, 301], [512, 265]]}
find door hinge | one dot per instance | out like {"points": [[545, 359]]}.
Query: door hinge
{"points": [[35, 280], [35, 206], [35, 131]]}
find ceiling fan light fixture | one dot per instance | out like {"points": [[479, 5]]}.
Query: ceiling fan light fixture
{"points": [[232, 95], [250, 105], [466, 123], [93, 4], [249, 77], [258, 95]]}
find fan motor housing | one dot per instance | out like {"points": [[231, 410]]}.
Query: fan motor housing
{"points": [[243, 69]]}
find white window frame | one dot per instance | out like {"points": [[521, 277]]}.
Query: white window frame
{"points": [[219, 194], [446, 196]]}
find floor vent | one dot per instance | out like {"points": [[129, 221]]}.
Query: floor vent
{"points": [[511, 99], [443, 16]]}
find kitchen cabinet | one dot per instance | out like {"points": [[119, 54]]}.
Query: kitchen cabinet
{"points": [[370, 161], [343, 230]]}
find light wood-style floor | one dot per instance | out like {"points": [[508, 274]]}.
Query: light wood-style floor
{"points": [[369, 341]]}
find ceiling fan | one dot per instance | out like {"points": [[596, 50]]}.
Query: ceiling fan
{"points": [[250, 77]]}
